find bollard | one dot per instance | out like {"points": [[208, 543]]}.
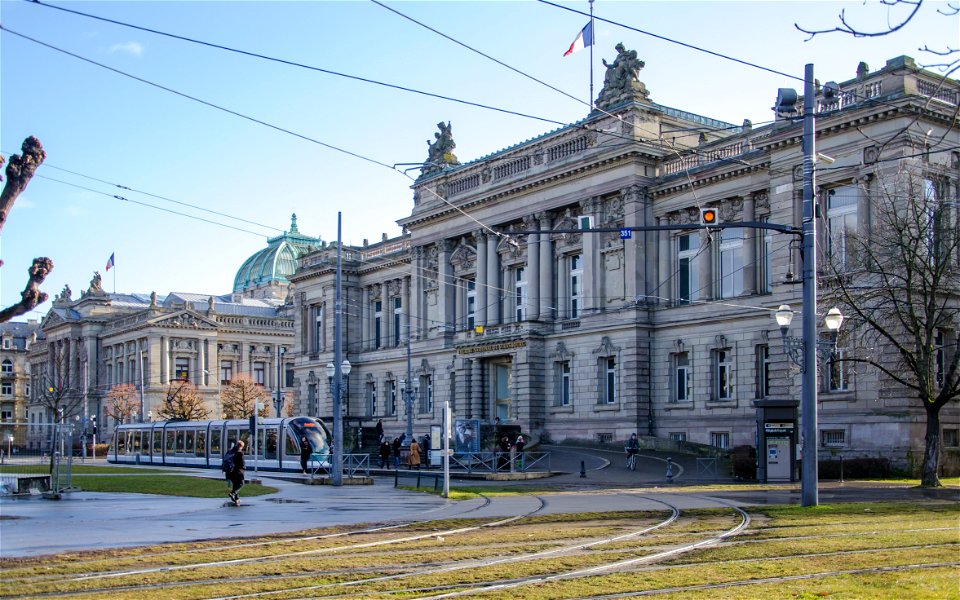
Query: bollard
{"points": [[669, 470], [583, 469], [841, 468]]}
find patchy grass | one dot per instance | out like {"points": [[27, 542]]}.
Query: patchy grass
{"points": [[81, 470], [166, 485]]}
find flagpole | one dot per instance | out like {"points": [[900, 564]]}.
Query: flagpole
{"points": [[593, 35]]}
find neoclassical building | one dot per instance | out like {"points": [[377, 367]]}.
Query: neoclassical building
{"points": [[562, 285], [89, 344]]}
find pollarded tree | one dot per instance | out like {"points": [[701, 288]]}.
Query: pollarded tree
{"points": [[183, 402], [123, 402], [899, 282], [241, 395]]}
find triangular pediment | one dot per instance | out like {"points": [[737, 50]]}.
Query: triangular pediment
{"points": [[184, 319], [51, 319]]}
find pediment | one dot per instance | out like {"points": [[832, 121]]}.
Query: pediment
{"points": [[184, 319]]}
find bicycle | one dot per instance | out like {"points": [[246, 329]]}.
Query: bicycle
{"points": [[631, 460]]}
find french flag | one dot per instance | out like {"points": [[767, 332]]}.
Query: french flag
{"points": [[110, 262], [584, 39]]}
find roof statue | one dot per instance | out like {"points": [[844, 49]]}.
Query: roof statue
{"points": [[95, 289], [621, 81], [65, 296], [440, 151]]}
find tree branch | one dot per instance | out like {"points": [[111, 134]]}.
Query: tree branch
{"points": [[19, 172], [31, 296]]}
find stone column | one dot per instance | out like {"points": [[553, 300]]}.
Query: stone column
{"points": [[482, 260], [533, 270], [750, 247], [446, 288], [411, 297], [476, 389], [563, 287], [668, 289], [494, 290], [366, 329], [164, 360], [384, 319], [546, 269], [651, 275], [406, 307], [592, 269]]}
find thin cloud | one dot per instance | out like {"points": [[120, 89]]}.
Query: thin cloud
{"points": [[133, 48]]}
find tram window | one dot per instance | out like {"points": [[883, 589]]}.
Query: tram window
{"points": [[158, 442], [121, 443], [202, 444], [232, 436], [291, 446], [170, 446], [215, 449], [180, 449], [136, 441], [245, 436], [270, 444], [188, 439]]}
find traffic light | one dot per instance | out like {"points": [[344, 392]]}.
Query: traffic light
{"points": [[709, 216]]}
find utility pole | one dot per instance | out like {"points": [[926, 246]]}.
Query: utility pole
{"points": [[408, 392], [336, 477]]}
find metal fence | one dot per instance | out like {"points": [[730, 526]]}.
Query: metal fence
{"points": [[36, 457], [501, 462], [354, 465]]}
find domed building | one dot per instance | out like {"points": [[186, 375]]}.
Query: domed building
{"points": [[266, 273]]}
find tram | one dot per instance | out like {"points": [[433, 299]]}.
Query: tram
{"points": [[203, 443]]}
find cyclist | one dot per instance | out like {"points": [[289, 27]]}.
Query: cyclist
{"points": [[632, 449]]}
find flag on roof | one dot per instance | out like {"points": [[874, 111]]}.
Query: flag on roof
{"points": [[584, 39], [110, 262]]}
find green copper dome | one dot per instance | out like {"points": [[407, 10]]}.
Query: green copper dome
{"points": [[276, 262]]}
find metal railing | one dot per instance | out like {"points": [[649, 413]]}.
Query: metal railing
{"points": [[36, 457], [354, 465], [501, 462]]}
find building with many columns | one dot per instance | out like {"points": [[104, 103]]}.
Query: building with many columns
{"points": [[90, 344], [564, 284]]}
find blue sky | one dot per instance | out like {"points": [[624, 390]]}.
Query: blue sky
{"points": [[101, 129]]}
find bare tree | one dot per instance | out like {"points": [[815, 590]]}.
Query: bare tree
{"points": [[60, 394], [124, 402], [183, 402], [240, 396], [900, 284], [19, 172]]}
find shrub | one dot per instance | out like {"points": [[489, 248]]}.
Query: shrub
{"points": [[856, 468]]}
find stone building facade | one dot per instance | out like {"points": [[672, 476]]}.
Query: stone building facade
{"points": [[15, 341], [565, 285]]}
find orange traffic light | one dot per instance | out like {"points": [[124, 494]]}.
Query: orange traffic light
{"points": [[709, 216]]}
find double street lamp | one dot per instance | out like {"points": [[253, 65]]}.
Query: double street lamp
{"points": [[337, 374]]}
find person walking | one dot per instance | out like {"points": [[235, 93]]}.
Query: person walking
{"points": [[520, 444], [503, 457], [414, 454], [305, 452], [385, 451], [426, 449], [236, 470], [379, 430]]}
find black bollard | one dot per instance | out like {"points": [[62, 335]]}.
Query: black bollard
{"points": [[583, 469]]}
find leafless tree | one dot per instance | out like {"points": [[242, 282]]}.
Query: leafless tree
{"points": [[899, 283], [239, 397], [124, 402], [19, 172], [183, 401], [60, 393]]}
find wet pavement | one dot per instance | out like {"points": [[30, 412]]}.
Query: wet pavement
{"points": [[586, 480]]}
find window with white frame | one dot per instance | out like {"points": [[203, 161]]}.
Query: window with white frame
{"points": [[720, 439], [841, 223], [682, 380], [564, 390], [226, 372], [260, 373], [678, 436], [520, 293], [377, 323], [181, 369], [397, 312], [762, 377], [934, 224], [426, 393], [723, 374], [7, 343], [6, 388], [26, 389], [838, 371], [7, 367], [576, 285], [731, 262], [471, 303], [833, 437], [391, 396], [609, 367], [687, 275], [371, 398]]}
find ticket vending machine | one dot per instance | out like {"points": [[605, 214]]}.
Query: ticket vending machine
{"points": [[778, 445], [776, 439]]}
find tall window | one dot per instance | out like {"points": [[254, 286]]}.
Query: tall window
{"points": [[397, 312], [609, 365], [934, 234], [520, 293], [377, 322], [731, 262], [681, 377], [720, 439], [841, 223], [724, 374], [686, 271], [318, 328], [762, 378], [288, 373], [766, 266], [504, 383], [181, 369], [6, 388], [576, 283], [471, 303], [371, 398], [838, 371], [226, 372], [110, 380], [259, 373], [564, 393], [426, 393], [7, 368], [391, 396]]}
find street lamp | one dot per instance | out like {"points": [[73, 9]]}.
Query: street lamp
{"points": [[795, 346], [219, 409], [337, 374], [281, 351]]}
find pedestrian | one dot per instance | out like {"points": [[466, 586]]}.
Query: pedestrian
{"points": [[379, 430], [414, 454], [235, 469], [396, 452], [503, 458], [426, 449], [305, 452], [384, 454], [520, 444]]}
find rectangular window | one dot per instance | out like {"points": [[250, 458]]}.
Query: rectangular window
{"points": [[259, 373], [426, 393], [391, 396], [678, 436], [724, 374], [318, 328], [226, 372], [951, 438], [766, 265], [181, 370], [397, 312], [841, 223], [833, 437], [289, 375], [681, 377], [720, 439], [7, 366], [731, 262], [576, 282], [120, 372], [687, 248], [471, 304], [520, 293], [371, 398], [838, 372], [504, 386], [6, 388], [110, 380], [565, 384], [609, 380], [762, 378], [377, 321]]}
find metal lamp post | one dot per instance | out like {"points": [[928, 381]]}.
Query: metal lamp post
{"points": [[337, 381], [281, 352], [804, 351]]}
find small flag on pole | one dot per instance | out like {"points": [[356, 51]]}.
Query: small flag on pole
{"points": [[584, 39], [110, 262]]}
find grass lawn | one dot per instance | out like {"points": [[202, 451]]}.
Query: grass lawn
{"points": [[166, 485], [79, 470]]}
